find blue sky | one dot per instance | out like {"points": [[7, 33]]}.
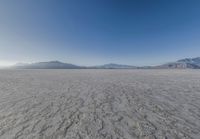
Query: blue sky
{"points": [[94, 32]]}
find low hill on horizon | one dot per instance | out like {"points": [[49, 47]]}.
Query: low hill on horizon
{"points": [[47, 65], [114, 66], [187, 63]]}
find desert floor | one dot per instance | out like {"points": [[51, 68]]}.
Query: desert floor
{"points": [[99, 104]]}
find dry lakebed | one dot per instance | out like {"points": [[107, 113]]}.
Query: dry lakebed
{"points": [[99, 104]]}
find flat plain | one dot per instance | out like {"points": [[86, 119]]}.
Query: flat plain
{"points": [[99, 104]]}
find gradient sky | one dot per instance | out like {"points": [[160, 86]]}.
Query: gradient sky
{"points": [[94, 32]]}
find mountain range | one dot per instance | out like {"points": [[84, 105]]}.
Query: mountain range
{"points": [[187, 63], [47, 65]]}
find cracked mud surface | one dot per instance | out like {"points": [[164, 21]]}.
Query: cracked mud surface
{"points": [[99, 104]]}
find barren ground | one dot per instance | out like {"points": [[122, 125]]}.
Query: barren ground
{"points": [[99, 104]]}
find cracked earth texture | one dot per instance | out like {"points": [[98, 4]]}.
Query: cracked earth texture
{"points": [[99, 104]]}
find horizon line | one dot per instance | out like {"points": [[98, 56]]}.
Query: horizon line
{"points": [[9, 63]]}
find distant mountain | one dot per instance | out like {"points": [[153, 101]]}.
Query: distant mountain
{"points": [[178, 65], [187, 63], [115, 66], [195, 61], [47, 65]]}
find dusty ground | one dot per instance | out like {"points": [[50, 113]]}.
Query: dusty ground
{"points": [[99, 104]]}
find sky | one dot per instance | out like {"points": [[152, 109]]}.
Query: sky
{"points": [[95, 32]]}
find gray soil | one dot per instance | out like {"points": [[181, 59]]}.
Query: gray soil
{"points": [[99, 104]]}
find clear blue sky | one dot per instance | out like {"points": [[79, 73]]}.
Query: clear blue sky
{"points": [[93, 32]]}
